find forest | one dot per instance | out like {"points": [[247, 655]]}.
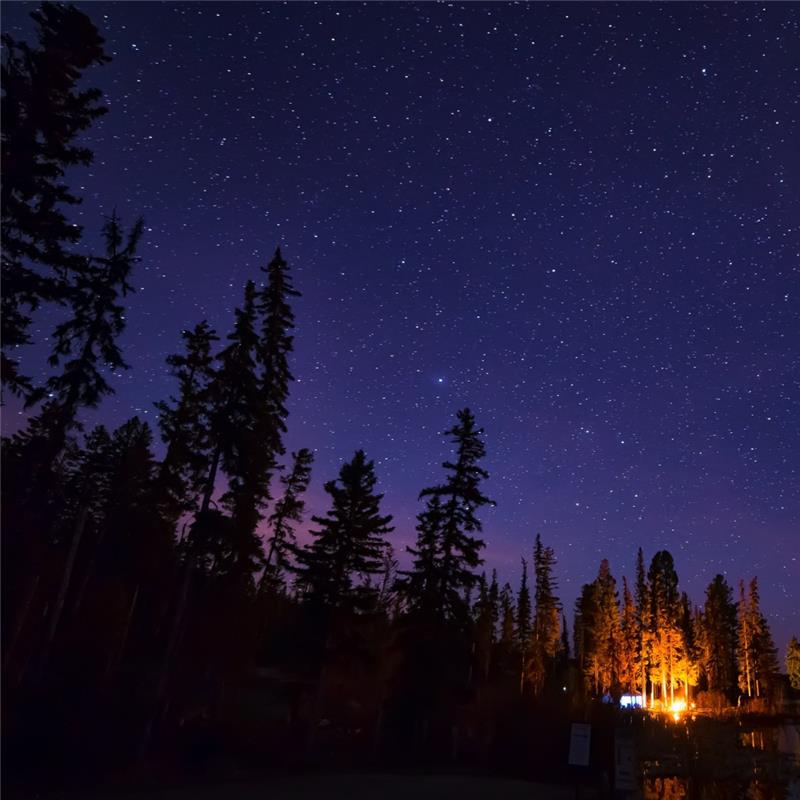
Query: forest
{"points": [[158, 608]]}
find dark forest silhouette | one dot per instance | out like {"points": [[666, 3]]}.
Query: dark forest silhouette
{"points": [[156, 606]]}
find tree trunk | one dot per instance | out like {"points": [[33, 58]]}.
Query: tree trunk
{"points": [[19, 625], [55, 615], [177, 618], [115, 661]]}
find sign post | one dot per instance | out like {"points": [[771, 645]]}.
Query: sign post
{"points": [[624, 763], [580, 741]]}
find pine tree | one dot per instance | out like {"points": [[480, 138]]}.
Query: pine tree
{"points": [[717, 637], [643, 625], [564, 648], [523, 625], [349, 544], [275, 345], [289, 509], [629, 643], [507, 619], [793, 662], [185, 424], [546, 615], [758, 656], [43, 112], [420, 584], [665, 610], [688, 667], [86, 343], [607, 633], [486, 614], [246, 458], [460, 497], [583, 637]]}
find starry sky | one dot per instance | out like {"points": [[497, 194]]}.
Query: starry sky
{"points": [[582, 221]]}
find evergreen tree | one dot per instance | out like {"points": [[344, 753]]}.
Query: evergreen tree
{"points": [[185, 424], [246, 458], [420, 584], [460, 497], [507, 619], [289, 509], [607, 635], [523, 625], [583, 636], [793, 662], [546, 615], [665, 617], [349, 544], [643, 625], [564, 648], [43, 112], [86, 343], [717, 637], [687, 666], [757, 656], [629, 643], [486, 615], [275, 345]]}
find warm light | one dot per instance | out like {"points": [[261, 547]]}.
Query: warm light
{"points": [[677, 708]]}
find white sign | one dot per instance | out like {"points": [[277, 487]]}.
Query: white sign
{"points": [[580, 741], [624, 762]]}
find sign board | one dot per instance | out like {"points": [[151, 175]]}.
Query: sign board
{"points": [[624, 762], [580, 740]]}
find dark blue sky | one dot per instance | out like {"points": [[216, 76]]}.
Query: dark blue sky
{"points": [[583, 221]]}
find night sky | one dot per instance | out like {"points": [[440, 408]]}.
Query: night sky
{"points": [[581, 221]]}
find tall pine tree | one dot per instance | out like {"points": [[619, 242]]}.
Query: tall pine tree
{"points": [[349, 544]]}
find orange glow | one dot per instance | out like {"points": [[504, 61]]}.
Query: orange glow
{"points": [[677, 708]]}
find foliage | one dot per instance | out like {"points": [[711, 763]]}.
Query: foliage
{"points": [[43, 112]]}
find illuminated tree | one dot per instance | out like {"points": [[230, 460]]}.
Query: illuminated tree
{"points": [[607, 633], [643, 625], [757, 654], [584, 635], [793, 662], [629, 640], [665, 623]]}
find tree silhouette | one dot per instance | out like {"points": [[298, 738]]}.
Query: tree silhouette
{"points": [[86, 343], [523, 632], [289, 509], [43, 111], [349, 544], [460, 497], [717, 637], [546, 615], [185, 424], [665, 616]]}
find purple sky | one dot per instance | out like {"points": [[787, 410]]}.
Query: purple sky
{"points": [[583, 221]]}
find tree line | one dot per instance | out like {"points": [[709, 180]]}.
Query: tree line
{"points": [[138, 589]]}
